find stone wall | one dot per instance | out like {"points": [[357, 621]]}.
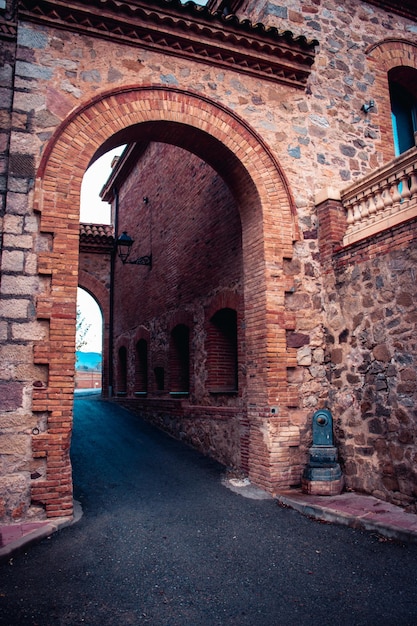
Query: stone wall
{"points": [[371, 360], [219, 432], [8, 36], [276, 144]]}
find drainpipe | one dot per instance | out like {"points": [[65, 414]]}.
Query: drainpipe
{"points": [[112, 272]]}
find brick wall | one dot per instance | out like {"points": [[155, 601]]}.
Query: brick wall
{"points": [[191, 225], [87, 379]]}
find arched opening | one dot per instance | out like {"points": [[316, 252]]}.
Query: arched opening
{"points": [[89, 342], [222, 352], [141, 366], [121, 371], [403, 96], [179, 359], [259, 190], [159, 373]]}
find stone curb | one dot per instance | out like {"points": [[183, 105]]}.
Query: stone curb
{"points": [[27, 539], [360, 522], [40, 533]]}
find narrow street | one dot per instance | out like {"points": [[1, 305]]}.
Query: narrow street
{"points": [[163, 542]]}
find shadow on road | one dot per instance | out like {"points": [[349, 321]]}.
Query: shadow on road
{"points": [[163, 542]]}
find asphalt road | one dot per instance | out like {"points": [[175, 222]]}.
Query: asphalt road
{"points": [[163, 542]]}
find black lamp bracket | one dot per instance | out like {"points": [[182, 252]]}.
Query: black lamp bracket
{"points": [[142, 260], [124, 245]]}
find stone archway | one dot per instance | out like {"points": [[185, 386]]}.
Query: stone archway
{"points": [[227, 143]]}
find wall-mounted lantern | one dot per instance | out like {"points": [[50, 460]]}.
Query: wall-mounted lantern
{"points": [[124, 246], [367, 106]]}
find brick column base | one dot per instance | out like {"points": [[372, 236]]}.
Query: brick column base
{"points": [[323, 487]]}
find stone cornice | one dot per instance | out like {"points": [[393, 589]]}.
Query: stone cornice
{"points": [[188, 31]]}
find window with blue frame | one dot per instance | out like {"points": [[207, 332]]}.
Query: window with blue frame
{"points": [[403, 85]]}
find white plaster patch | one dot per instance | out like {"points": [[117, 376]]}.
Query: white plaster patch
{"points": [[244, 487]]}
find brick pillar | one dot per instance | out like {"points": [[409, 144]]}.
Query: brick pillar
{"points": [[332, 224]]}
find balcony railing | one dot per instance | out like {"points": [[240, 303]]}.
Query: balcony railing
{"points": [[383, 199]]}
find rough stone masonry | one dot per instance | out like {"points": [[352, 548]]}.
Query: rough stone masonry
{"points": [[271, 99]]}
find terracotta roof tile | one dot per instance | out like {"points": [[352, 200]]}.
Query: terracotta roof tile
{"points": [[96, 235]]}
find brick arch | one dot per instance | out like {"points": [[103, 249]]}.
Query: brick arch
{"points": [[224, 300], [97, 290], [225, 141], [123, 342], [383, 57], [141, 333], [176, 117], [180, 317], [390, 53]]}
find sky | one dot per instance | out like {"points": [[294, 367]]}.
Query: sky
{"points": [[93, 320], [93, 210]]}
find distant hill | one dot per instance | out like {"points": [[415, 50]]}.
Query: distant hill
{"points": [[88, 361]]}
